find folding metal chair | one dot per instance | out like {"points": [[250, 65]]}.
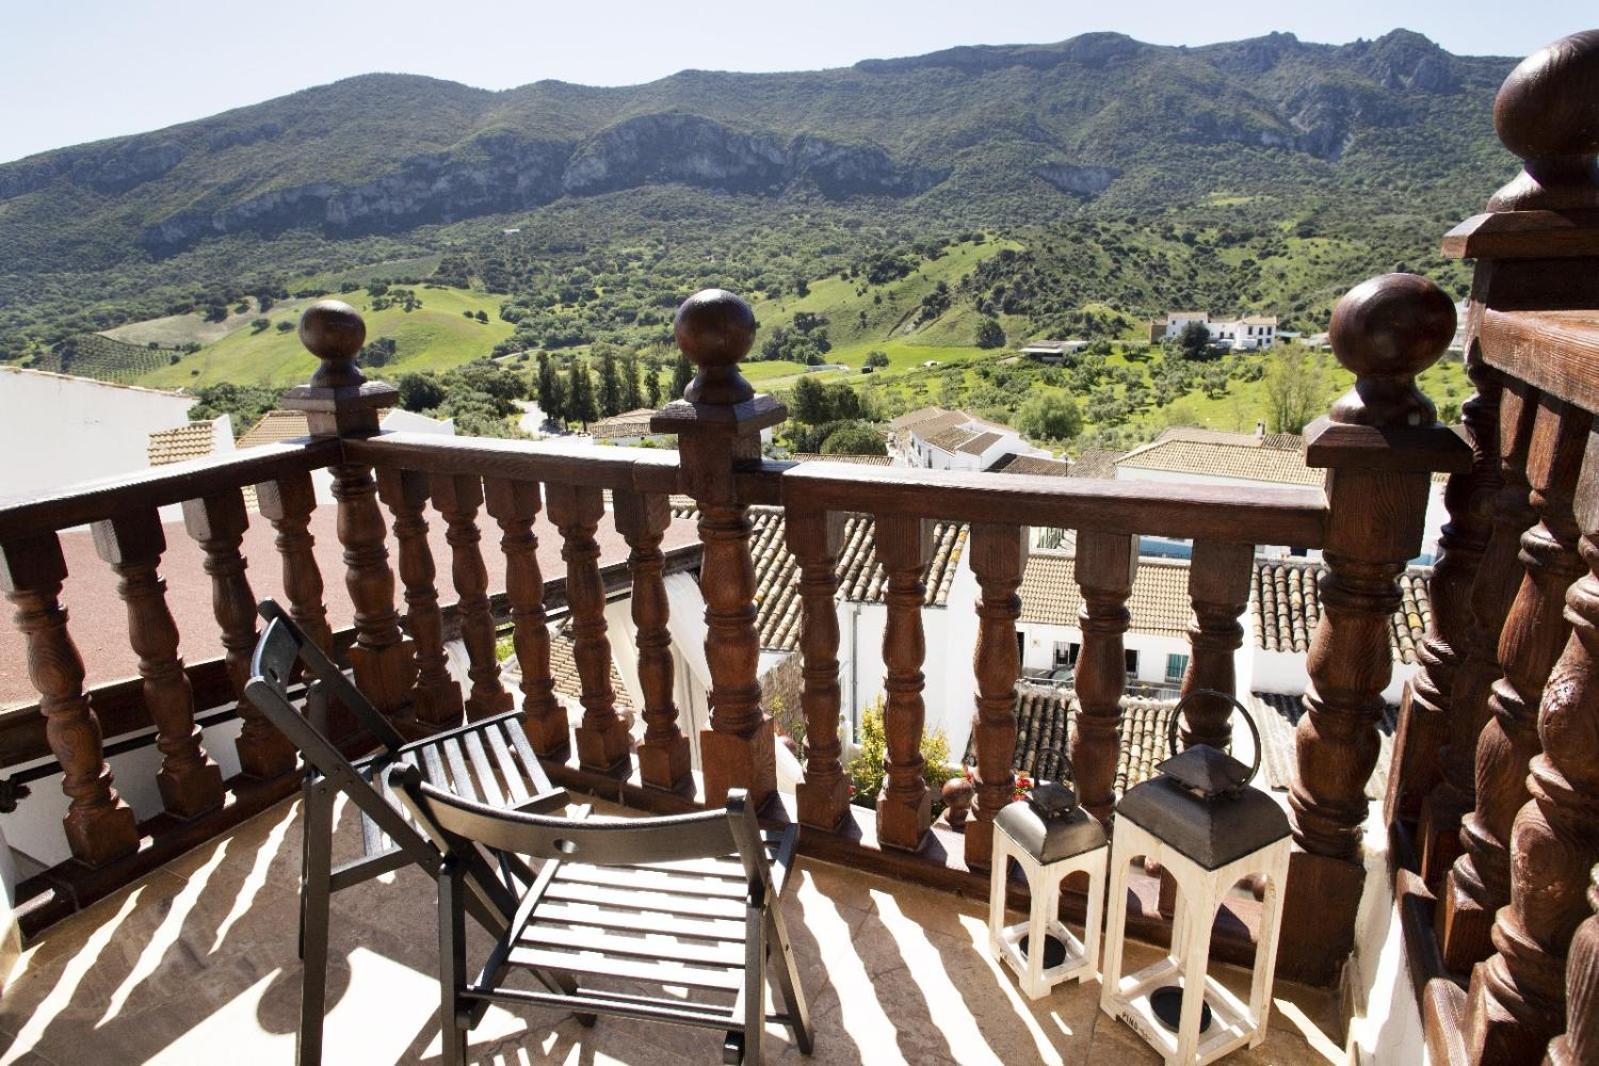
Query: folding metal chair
{"points": [[685, 901], [490, 759]]}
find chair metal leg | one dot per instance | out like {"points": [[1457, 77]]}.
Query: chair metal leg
{"points": [[754, 984], [788, 983], [452, 964], [305, 861], [314, 921]]}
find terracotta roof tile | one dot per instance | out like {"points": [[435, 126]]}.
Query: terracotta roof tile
{"points": [[1286, 600], [978, 444], [912, 418], [1159, 602], [193, 441], [859, 460], [860, 576], [633, 423], [1044, 715], [1249, 462], [1096, 463], [950, 440], [1013, 463], [276, 426]]}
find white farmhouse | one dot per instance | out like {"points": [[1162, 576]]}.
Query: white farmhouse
{"points": [[953, 440], [1245, 333]]}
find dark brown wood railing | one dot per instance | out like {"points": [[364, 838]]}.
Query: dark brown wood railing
{"points": [[1494, 798], [1499, 740]]}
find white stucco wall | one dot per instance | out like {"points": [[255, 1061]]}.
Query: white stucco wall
{"points": [[77, 429]]}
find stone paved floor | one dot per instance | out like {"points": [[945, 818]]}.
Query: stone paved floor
{"points": [[196, 963]]}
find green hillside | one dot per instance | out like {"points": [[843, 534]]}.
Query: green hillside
{"points": [[92, 356], [434, 336]]}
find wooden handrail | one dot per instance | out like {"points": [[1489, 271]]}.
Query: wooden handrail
{"points": [[91, 501], [1224, 513], [644, 469]]}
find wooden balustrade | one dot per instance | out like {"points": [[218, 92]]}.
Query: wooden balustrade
{"points": [[1579, 1043], [514, 503], [998, 554], [905, 805], [287, 502], [457, 499], [822, 799], [1106, 564], [189, 781], [1218, 586], [664, 756], [438, 700], [1445, 706]]}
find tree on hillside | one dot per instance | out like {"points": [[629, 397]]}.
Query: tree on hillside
{"points": [[1050, 416], [581, 403], [548, 389], [631, 398], [876, 358], [1296, 388], [1193, 340], [419, 392], [855, 438], [610, 395], [990, 334], [682, 374], [652, 382]]}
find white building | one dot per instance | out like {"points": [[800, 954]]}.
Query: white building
{"points": [[938, 439], [56, 429], [1245, 333]]}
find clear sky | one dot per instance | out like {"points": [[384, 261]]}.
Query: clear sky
{"points": [[79, 70]]}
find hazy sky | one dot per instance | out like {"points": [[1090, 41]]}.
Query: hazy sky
{"points": [[79, 70]]}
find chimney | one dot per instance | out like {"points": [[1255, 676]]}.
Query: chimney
{"points": [[1260, 430]]}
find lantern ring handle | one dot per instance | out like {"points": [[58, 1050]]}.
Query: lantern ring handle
{"points": [[1177, 718]]}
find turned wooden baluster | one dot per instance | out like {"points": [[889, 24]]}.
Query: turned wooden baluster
{"points": [[1106, 564], [1218, 587], [642, 518], [905, 805], [602, 740], [1533, 636], [815, 537], [99, 825], [514, 504], [438, 697], [1579, 1044], [998, 555], [1446, 703], [1380, 442], [457, 498], [288, 504], [718, 424], [339, 401], [190, 782], [218, 523], [1518, 998]]}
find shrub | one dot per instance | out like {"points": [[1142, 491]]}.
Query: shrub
{"points": [[869, 766]]}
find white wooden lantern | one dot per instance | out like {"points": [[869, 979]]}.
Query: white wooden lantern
{"points": [[1206, 828], [1049, 837]]}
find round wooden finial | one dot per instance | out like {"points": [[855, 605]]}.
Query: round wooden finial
{"points": [[714, 330], [332, 331], [1547, 112], [1386, 331]]}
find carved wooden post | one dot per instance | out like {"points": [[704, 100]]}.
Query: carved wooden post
{"points": [[458, 497], [1380, 443], [815, 537], [514, 504], [718, 423], [218, 523], [1446, 703], [190, 782], [438, 698], [339, 401], [905, 805], [1579, 1044], [288, 503], [998, 555], [602, 740], [1518, 997], [99, 826], [1218, 586], [642, 518], [1106, 564]]}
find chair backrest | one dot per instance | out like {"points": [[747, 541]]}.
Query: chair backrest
{"points": [[595, 841]]}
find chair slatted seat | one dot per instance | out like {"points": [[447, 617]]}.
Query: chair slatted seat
{"points": [[489, 760], [686, 902]]}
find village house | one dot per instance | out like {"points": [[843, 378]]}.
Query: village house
{"points": [[1245, 333], [1053, 351], [938, 439]]}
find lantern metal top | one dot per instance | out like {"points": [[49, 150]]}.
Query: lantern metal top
{"points": [[1050, 826], [1201, 806]]}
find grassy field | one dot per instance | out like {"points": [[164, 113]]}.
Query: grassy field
{"points": [[174, 331], [435, 336]]}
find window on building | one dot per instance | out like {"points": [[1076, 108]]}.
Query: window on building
{"points": [[1176, 667], [1065, 653], [1132, 664]]}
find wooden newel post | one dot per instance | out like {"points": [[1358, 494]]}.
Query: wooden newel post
{"points": [[1380, 444], [718, 423], [340, 402]]}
